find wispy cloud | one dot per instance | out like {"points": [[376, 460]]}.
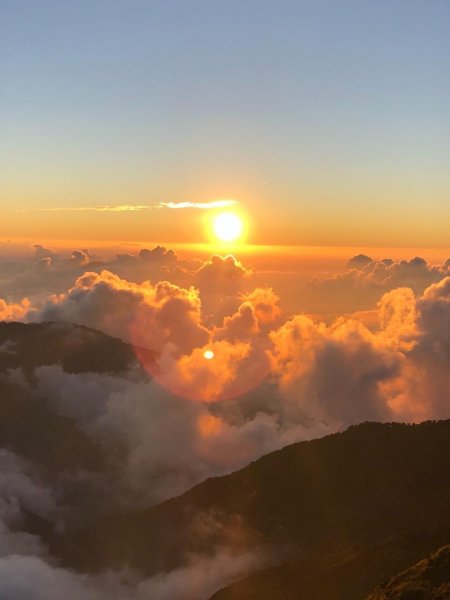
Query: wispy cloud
{"points": [[133, 207], [201, 205], [106, 208]]}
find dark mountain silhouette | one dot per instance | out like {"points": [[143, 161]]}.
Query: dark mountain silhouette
{"points": [[368, 501], [30, 429], [76, 348], [346, 575], [27, 425], [427, 580]]}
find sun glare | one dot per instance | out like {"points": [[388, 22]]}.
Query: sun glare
{"points": [[227, 226], [208, 354]]}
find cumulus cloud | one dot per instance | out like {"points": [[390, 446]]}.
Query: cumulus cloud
{"points": [[266, 305], [241, 325], [345, 372], [397, 319], [220, 280], [272, 380], [80, 257], [423, 388], [312, 377], [48, 272], [229, 379], [333, 373], [339, 373], [158, 254], [366, 280], [359, 261], [147, 315], [434, 307], [257, 314], [14, 311], [224, 275], [40, 252], [158, 444]]}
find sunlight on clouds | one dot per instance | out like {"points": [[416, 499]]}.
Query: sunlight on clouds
{"points": [[215, 335], [191, 376], [209, 425]]}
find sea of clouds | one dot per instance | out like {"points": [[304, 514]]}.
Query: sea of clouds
{"points": [[370, 343]]}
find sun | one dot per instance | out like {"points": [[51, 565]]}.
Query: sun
{"points": [[227, 226]]}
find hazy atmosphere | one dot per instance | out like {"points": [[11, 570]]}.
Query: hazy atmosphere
{"points": [[224, 237]]}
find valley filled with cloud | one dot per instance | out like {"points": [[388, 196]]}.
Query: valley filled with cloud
{"points": [[145, 374]]}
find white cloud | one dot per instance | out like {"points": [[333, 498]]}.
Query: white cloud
{"points": [[30, 577], [200, 205]]}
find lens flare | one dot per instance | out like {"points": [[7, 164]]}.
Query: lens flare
{"points": [[209, 374], [209, 426]]}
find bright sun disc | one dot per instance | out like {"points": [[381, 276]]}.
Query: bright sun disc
{"points": [[227, 226]]}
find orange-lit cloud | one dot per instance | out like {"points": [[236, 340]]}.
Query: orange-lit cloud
{"points": [[223, 275], [148, 315], [193, 376], [386, 362], [269, 380], [266, 305], [14, 311], [366, 280], [209, 425]]}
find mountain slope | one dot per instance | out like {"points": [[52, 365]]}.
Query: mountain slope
{"points": [[27, 425], [76, 348], [331, 519], [427, 580], [346, 575], [314, 499]]}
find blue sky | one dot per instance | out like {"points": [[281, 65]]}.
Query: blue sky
{"points": [[323, 112]]}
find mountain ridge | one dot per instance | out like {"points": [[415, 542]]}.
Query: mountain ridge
{"points": [[75, 347], [319, 514], [429, 579]]}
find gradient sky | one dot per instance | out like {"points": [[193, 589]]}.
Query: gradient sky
{"points": [[327, 120]]}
